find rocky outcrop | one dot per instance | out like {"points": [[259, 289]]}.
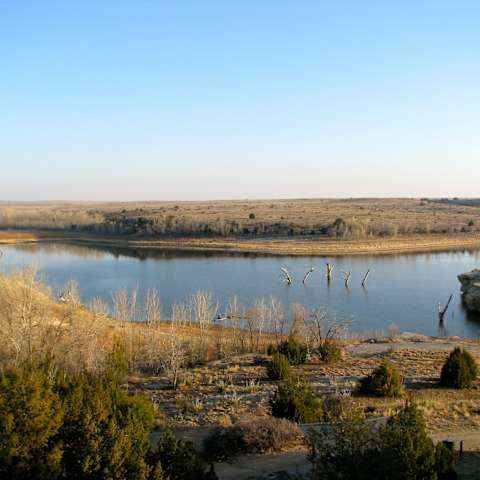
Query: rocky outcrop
{"points": [[471, 289]]}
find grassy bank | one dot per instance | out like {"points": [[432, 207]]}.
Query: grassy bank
{"points": [[274, 246]]}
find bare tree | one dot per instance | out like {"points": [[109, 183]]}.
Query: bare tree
{"points": [[173, 354], [364, 281], [235, 314], [286, 276], [125, 304], [277, 318], [442, 310], [299, 315], [99, 307], [329, 270], [305, 278], [152, 307], [323, 327]]}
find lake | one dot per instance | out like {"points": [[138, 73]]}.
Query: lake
{"points": [[401, 289]]}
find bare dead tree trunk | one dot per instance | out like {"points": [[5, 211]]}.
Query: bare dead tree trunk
{"points": [[443, 311], [286, 276], [364, 281], [305, 278], [329, 271], [347, 277]]}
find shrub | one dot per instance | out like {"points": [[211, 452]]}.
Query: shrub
{"points": [[294, 350], [336, 406], [296, 401], [279, 367], [178, 460], [105, 433], [263, 435], [271, 349], [30, 419], [54, 425], [385, 381], [329, 351], [459, 370], [399, 450]]}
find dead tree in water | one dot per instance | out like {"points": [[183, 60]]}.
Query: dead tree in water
{"points": [[347, 277], [443, 311], [364, 281], [286, 276], [329, 271], [305, 278]]}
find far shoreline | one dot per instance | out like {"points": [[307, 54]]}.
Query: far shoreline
{"points": [[278, 246]]}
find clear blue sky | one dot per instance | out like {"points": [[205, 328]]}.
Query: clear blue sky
{"points": [[152, 100]]}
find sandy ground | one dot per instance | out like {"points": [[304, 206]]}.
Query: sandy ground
{"points": [[298, 246]]}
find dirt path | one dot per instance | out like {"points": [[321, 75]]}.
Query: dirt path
{"points": [[411, 341]]}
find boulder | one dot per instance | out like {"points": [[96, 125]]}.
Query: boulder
{"points": [[471, 289]]}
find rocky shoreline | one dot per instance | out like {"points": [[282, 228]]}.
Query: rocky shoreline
{"points": [[471, 289]]}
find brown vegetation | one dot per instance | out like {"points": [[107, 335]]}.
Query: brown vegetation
{"points": [[343, 219], [293, 227]]}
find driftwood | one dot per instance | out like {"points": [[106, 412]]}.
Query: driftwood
{"points": [[286, 276], [364, 281], [443, 310], [305, 278]]}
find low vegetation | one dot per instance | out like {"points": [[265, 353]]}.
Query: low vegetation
{"points": [[293, 350], [269, 434], [57, 425], [329, 351], [279, 367], [342, 219], [385, 381], [399, 450], [296, 401], [74, 362], [459, 371]]}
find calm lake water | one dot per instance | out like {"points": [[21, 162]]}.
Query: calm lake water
{"points": [[401, 289]]}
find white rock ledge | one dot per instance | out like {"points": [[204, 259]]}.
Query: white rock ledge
{"points": [[471, 289]]}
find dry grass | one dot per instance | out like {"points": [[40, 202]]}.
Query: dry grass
{"points": [[10, 237], [296, 227]]}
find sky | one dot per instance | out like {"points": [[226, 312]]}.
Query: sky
{"points": [[194, 100]]}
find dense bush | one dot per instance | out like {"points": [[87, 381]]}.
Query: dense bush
{"points": [[294, 350], [329, 351], [296, 401], [263, 435], [30, 420], [459, 370], [385, 381], [178, 460], [54, 425], [399, 450], [279, 367]]}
